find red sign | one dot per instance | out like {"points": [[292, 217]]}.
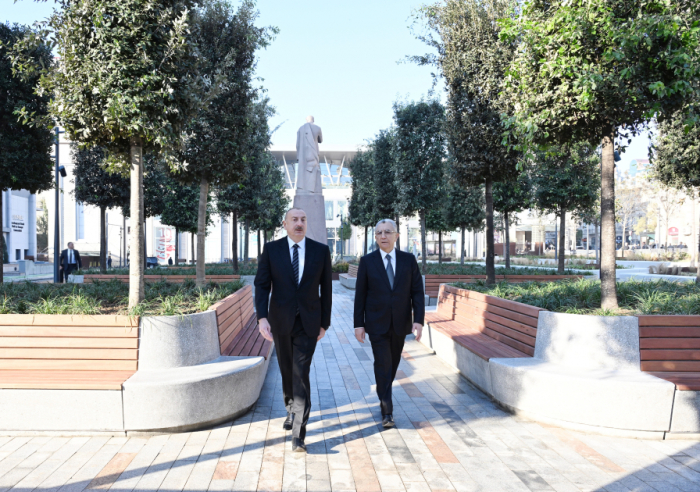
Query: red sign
{"points": [[673, 231]]}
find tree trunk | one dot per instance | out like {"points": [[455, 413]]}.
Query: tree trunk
{"points": [[136, 285], [259, 240], [490, 266], [463, 247], [366, 239], [624, 232], [424, 249], [562, 243], [246, 242], [145, 246], [177, 246], [608, 280], [398, 238], [103, 241], [597, 242], [506, 219], [439, 247], [234, 241], [192, 243], [202, 232]]}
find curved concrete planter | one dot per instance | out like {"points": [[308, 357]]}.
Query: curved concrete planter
{"points": [[183, 382]]}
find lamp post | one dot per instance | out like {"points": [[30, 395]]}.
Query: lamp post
{"points": [[341, 234], [57, 225]]}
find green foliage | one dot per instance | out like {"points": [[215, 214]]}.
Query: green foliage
{"points": [[362, 200], [675, 153], [513, 196], [25, 159], [386, 189], [341, 267], [584, 296], [180, 205], [586, 67], [566, 181], [473, 269], [161, 298], [93, 184], [464, 208]]}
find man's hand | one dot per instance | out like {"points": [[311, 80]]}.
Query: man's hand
{"points": [[264, 327], [418, 331], [360, 334], [321, 334]]}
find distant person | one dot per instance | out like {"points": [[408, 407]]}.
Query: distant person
{"points": [[170, 261], [70, 261], [109, 262]]}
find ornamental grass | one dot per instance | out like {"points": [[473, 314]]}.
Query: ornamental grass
{"points": [[583, 296], [111, 297]]}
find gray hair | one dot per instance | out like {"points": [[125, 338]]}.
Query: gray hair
{"points": [[396, 229]]}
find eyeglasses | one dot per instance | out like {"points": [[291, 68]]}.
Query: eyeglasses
{"points": [[384, 233]]}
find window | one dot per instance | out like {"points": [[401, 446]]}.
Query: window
{"points": [[329, 210], [18, 255], [79, 221]]}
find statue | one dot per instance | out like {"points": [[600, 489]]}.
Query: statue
{"points": [[309, 173], [309, 194]]}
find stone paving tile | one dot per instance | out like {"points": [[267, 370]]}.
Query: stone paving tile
{"points": [[448, 436]]}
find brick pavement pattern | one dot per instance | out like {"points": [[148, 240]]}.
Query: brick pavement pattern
{"points": [[449, 437]]}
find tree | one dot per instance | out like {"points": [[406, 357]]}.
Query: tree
{"points": [[588, 69], [675, 157], [670, 200], [127, 80], [566, 183], [25, 160], [464, 209], [386, 204], [420, 149], [628, 207], [95, 186], [512, 198], [474, 60], [215, 149], [362, 200], [435, 219]]}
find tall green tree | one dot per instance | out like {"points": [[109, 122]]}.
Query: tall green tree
{"points": [[596, 70], [675, 156], [566, 182], [362, 199], [216, 148], [435, 219], [465, 209], [511, 198], [126, 79], [25, 151], [386, 204], [474, 60], [420, 152], [95, 186]]}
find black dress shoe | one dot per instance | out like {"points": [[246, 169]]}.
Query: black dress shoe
{"points": [[288, 422], [298, 445], [388, 421]]}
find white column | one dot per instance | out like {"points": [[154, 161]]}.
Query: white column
{"points": [[31, 225]]}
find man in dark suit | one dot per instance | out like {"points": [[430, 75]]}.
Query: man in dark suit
{"points": [[70, 261], [389, 286], [296, 317]]}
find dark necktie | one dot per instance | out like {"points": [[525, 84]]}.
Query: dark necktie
{"points": [[295, 263], [389, 271]]}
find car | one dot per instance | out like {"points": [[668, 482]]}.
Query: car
{"points": [[151, 262]]}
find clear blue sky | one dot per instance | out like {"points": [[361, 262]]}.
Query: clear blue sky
{"points": [[334, 60]]}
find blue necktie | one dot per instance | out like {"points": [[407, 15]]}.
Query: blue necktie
{"points": [[389, 271], [295, 263]]}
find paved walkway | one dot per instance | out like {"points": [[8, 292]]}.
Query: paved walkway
{"points": [[449, 437]]}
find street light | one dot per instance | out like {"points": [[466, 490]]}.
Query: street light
{"points": [[57, 227], [341, 234]]}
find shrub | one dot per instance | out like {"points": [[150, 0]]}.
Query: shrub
{"points": [[341, 267]]}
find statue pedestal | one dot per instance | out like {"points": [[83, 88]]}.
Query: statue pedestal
{"points": [[315, 209]]}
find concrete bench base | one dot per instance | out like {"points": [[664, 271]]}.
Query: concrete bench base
{"points": [[347, 281], [686, 412], [593, 397]]}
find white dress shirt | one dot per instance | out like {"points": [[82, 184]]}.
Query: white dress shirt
{"points": [[302, 255], [392, 253]]}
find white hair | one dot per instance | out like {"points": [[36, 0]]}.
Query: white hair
{"points": [[309, 119], [396, 229]]}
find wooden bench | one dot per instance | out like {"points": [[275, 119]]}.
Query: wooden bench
{"points": [[487, 326], [433, 282], [178, 279], [670, 349], [352, 270], [238, 326], [67, 352]]}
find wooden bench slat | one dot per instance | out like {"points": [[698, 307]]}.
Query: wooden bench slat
{"points": [[669, 343], [230, 335], [671, 366], [503, 312], [72, 365], [480, 324], [266, 349], [671, 355], [668, 332], [507, 304], [68, 331], [63, 379], [69, 353], [68, 320], [482, 345], [66, 342], [502, 316]]}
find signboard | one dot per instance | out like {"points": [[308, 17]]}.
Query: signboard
{"points": [[673, 231], [17, 223], [165, 243]]}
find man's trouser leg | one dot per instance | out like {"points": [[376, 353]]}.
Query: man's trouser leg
{"points": [[303, 347], [387, 350], [283, 348]]}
